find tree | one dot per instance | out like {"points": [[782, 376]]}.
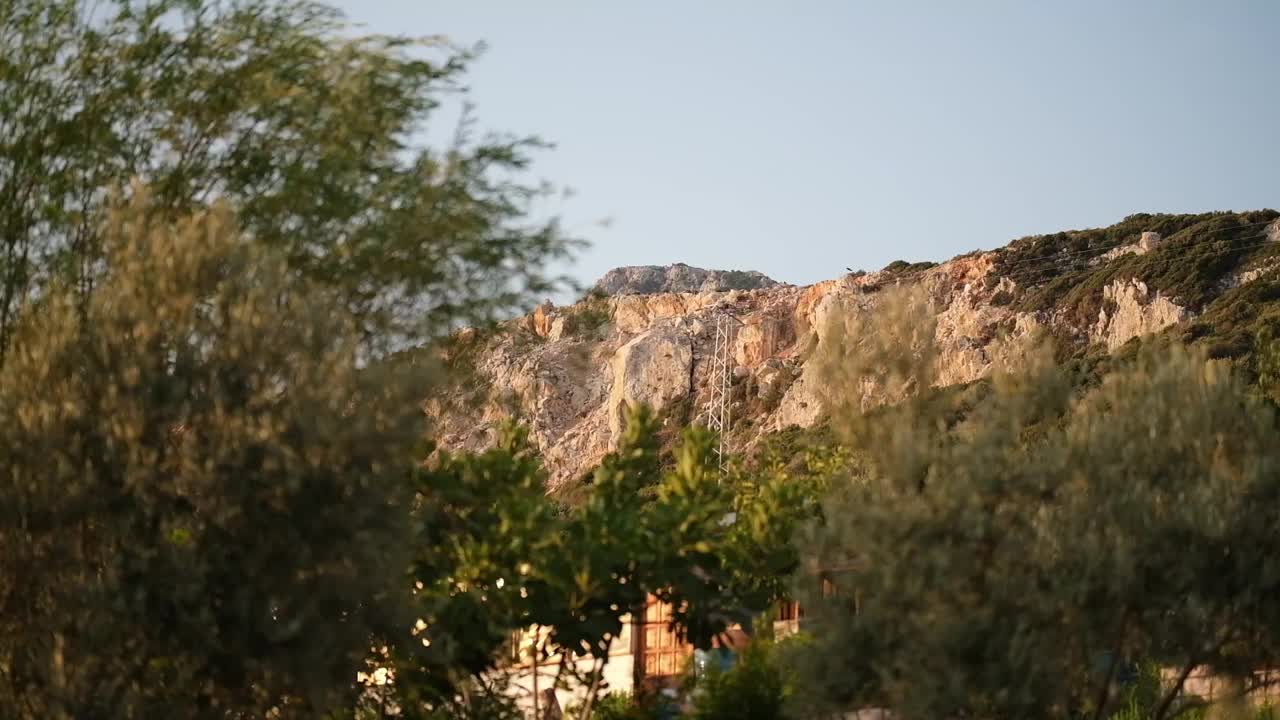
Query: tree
{"points": [[205, 494], [208, 495], [309, 133], [484, 531], [494, 555], [1002, 559]]}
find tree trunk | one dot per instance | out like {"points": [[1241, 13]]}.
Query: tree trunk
{"points": [[597, 669]]}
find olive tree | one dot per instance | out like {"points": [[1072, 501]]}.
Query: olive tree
{"points": [[205, 493], [1012, 544], [312, 133]]}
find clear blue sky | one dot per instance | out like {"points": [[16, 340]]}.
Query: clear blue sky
{"points": [[797, 138]]}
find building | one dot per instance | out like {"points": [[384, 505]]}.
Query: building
{"points": [[647, 653]]}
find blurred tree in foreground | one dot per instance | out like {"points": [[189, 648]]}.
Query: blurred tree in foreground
{"points": [[204, 501], [212, 508], [206, 505], [308, 132], [1002, 563]]}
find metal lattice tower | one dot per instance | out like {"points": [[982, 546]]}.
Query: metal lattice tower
{"points": [[717, 413]]}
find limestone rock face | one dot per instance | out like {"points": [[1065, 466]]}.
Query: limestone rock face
{"points": [[572, 386], [678, 278], [635, 313], [540, 321], [801, 406], [1135, 311], [1148, 242], [651, 369]]}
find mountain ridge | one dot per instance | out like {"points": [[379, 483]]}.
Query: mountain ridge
{"points": [[677, 278]]}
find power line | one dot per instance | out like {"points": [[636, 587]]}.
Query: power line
{"points": [[1210, 253], [717, 413], [1111, 246], [1058, 257], [1015, 268]]}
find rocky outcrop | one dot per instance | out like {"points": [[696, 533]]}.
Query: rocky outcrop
{"points": [[656, 349], [651, 369], [652, 339], [1131, 310], [635, 313], [678, 278], [1147, 242], [541, 319]]}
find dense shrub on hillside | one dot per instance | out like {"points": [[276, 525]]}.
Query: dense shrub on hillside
{"points": [[1231, 325], [1061, 270], [906, 268], [588, 317]]}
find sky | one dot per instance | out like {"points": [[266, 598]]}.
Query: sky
{"points": [[802, 137]]}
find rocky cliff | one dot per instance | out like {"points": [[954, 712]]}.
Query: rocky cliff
{"points": [[647, 334]]}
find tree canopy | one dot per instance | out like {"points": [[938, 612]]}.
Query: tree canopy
{"points": [[311, 133], [1007, 560]]}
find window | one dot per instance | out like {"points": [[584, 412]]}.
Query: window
{"points": [[663, 650]]}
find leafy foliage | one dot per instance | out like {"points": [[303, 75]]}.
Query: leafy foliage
{"points": [[1196, 253], [273, 107], [1140, 698], [483, 525], [1266, 365], [904, 267], [494, 554], [209, 501], [1232, 325], [622, 706]]}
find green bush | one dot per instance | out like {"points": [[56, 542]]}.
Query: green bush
{"points": [[620, 706], [1198, 251], [902, 266], [588, 317], [753, 689]]}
